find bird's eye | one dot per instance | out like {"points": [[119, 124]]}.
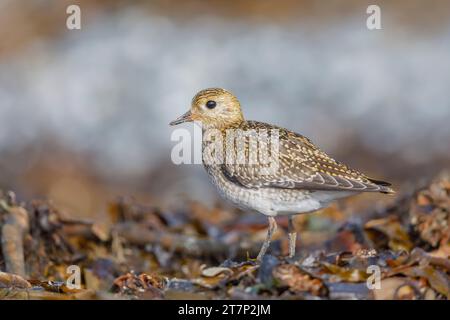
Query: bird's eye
{"points": [[211, 104]]}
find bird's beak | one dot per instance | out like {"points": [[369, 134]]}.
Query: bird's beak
{"points": [[187, 117]]}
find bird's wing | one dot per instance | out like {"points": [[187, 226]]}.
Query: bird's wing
{"points": [[301, 165]]}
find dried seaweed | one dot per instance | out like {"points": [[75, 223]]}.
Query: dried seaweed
{"points": [[144, 252]]}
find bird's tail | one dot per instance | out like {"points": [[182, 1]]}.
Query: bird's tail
{"points": [[384, 187]]}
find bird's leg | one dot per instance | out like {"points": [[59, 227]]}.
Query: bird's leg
{"points": [[270, 231], [292, 237]]}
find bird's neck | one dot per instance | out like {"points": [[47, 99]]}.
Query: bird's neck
{"points": [[223, 126]]}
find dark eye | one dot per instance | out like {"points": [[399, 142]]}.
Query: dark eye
{"points": [[211, 104]]}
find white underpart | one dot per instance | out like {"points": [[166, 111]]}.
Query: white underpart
{"points": [[274, 201]]}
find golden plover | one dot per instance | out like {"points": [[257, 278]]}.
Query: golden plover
{"points": [[305, 178]]}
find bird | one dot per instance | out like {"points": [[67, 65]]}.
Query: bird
{"points": [[305, 178]]}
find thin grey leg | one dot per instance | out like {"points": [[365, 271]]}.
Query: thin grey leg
{"points": [[266, 244], [292, 237]]}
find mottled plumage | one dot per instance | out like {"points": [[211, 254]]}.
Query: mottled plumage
{"points": [[306, 178], [302, 166]]}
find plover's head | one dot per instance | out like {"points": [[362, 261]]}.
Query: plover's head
{"points": [[213, 107]]}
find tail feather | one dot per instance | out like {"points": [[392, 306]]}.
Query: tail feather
{"points": [[380, 183], [383, 185]]}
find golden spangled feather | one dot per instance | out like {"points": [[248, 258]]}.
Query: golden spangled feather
{"points": [[301, 166]]}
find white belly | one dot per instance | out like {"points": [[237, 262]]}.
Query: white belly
{"points": [[302, 202], [275, 201]]}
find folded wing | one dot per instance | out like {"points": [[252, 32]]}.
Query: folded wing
{"points": [[301, 165]]}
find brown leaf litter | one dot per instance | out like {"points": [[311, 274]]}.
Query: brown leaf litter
{"points": [[201, 253]]}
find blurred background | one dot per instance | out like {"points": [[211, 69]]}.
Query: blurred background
{"points": [[84, 113]]}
